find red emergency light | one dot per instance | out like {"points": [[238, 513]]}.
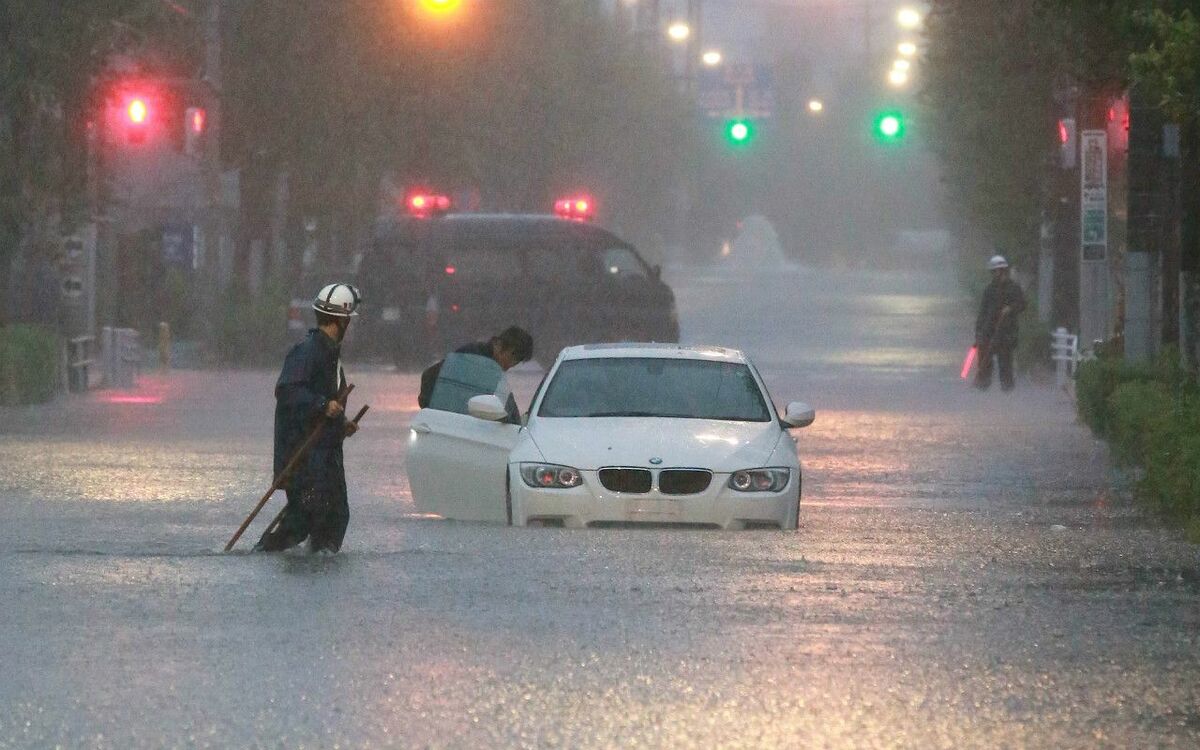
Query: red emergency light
{"points": [[579, 208], [423, 203]]}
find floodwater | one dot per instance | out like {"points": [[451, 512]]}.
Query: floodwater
{"points": [[965, 574]]}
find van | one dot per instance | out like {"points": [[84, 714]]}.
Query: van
{"points": [[430, 284]]}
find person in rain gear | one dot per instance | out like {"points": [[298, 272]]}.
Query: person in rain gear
{"points": [[510, 348], [996, 325], [317, 507]]}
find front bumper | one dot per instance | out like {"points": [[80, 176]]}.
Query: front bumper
{"points": [[591, 504]]}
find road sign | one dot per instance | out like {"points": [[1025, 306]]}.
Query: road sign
{"points": [[178, 247], [1093, 203], [72, 287], [736, 90]]}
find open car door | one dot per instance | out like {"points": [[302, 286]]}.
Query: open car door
{"points": [[457, 463]]}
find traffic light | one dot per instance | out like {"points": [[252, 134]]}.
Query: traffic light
{"points": [[739, 132], [137, 118], [137, 111], [890, 127], [1068, 141], [195, 123]]}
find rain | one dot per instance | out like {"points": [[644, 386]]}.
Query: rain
{"points": [[217, 215]]}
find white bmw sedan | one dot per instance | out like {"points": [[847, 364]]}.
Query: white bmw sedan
{"points": [[617, 434]]}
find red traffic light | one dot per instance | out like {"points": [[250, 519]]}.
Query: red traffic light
{"points": [[197, 120], [137, 111], [579, 208], [423, 203]]}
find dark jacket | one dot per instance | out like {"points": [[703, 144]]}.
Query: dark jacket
{"points": [[992, 331], [430, 375], [310, 379]]}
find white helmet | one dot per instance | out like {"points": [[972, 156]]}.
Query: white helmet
{"points": [[997, 262], [340, 300]]}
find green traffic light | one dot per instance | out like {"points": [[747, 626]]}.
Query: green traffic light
{"points": [[739, 132], [889, 126]]}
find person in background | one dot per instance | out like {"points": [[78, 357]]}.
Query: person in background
{"points": [[996, 326]]}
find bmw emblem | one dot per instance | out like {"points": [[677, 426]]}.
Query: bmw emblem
{"points": [[655, 461]]}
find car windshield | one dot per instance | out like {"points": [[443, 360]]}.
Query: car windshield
{"points": [[655, 387]]}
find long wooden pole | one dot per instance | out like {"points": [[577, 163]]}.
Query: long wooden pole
{"points": [[288, 469], [279, 516]]}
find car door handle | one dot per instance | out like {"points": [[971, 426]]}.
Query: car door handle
{"points": [[421, 428]]}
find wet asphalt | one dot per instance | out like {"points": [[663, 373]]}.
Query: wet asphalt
{"points": [[969, 571]]}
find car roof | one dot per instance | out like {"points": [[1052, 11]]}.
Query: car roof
{"points": [[498, 226], [654, 351]]}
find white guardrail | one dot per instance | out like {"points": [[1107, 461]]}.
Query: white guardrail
{"points": [[1064, 348]]}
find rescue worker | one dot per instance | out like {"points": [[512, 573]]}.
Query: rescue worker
{"points": [[307, 390], [996, 325], [510, 348]]}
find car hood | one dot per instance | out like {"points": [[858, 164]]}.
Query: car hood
{"points": [[592, 443]]}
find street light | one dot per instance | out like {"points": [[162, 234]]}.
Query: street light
{"points": [[816, 106], [679, 31], [908, 18], [441, 7], [907, 49], [903, 65], [898, 78], [712, 58]]}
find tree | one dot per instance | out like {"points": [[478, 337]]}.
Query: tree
{"points": [[51, 58], [989, 111]]}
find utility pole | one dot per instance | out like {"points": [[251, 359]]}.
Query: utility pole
{"points": [[869, 34], [695, 19], [1145, 254], [213, 263]]}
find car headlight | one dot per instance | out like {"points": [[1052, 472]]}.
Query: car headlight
{"points": [[760, 480], [550, 476]]}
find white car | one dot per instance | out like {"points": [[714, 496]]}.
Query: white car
{"points": [[617, 434]]}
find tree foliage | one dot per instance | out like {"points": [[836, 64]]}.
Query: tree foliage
{"points": [[989, 110], [51, 58], [999, 75], [1170, 64], [519, 100]]}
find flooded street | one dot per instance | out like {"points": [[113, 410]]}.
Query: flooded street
{"points": [[963, 575]]}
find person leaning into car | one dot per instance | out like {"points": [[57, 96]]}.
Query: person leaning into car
{"points": [[510, 348]]}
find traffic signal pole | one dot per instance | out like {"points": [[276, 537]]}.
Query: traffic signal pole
{"points": [[213, 262]]}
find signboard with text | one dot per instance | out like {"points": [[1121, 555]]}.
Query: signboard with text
{"points": [[736, 90], [1093, 203]]}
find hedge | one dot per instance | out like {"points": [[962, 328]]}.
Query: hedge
{"points": [[29, 364], [1150, 415]]}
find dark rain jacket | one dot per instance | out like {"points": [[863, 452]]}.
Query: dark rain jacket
{"points": [[992, 331], [430, 375], [311, 378]]}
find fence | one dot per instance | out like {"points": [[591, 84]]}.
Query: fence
{"points": [[121, 354]]}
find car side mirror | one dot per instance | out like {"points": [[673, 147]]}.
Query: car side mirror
{"points": [[799, 414], [487, 407]]}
